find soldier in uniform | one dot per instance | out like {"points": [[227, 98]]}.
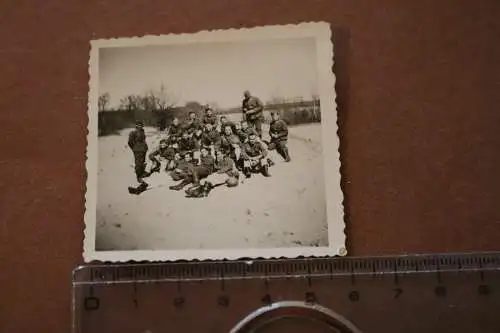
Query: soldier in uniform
{"points": [[231, 144], [211, 138], [175, 129], [164, 151], [254, 156], [245, 131], [225, 122], [187, 144], [209, 117], [278, 132], [225, 171], [253, 108], [198, 136], [137, 143], [196, 172], [192, 124], [182, 167]]}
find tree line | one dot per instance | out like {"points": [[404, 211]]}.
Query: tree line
{"points": [[157, 108]]}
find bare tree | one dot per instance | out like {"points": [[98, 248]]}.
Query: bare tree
{"points": [[103, 102], [158, 99], [165, 100], [131, 103], [149, 101]]}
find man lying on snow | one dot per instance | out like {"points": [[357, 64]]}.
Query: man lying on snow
{"points": [[192, 173], [220, 171], [183, 166]]}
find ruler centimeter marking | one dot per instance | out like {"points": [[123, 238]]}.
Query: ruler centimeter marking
{"points": [[294, 268], [453, 285]]}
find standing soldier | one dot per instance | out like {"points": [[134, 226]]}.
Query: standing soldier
{"points": [[209, 117], [138, 145], [252, 108], [254, 156], [278, 132]]}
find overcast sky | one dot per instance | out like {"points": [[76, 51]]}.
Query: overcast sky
{"points": [[212, 72]]}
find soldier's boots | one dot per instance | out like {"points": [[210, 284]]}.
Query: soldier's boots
{"points": [[139, 189], [141, 181], [199, 191], [286, 154], [265, 171], [195, 179], [180, 186], [155, 168], [247, 172], [283, 151], [270, 162]]}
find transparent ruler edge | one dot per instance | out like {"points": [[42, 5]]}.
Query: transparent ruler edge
{"points": [[151, 272]]}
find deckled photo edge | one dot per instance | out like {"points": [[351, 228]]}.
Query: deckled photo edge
{"points": [[91, 156], [328, 97], [321, 31]]}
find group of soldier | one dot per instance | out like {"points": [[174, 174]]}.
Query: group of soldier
{"points": [[211, 149]]}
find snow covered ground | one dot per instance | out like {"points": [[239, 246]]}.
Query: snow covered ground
{"points": [[285, 210]]}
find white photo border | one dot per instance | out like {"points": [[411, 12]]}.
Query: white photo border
{"points": [[321, 31]]}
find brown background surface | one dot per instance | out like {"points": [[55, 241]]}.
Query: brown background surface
{"points": [[418, 86]]}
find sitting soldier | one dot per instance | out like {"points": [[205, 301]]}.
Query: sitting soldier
{"points": [[211, 138], [209, 117], [192, 124], [183, 166], [174, 131], [197, 137], [254, 156], [187, 144], [245, 131], [231, 144], [166, 152], [225, 122]]}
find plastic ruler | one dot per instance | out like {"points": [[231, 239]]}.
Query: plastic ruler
{"points": [[417, 293]]}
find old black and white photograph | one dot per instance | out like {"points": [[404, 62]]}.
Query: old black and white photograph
{"points": [[213, 145]]}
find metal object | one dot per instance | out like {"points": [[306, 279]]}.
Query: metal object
{"points": [[418, 293]]}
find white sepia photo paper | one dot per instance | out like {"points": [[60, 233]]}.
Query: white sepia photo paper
{"points": [[214, 145]]}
